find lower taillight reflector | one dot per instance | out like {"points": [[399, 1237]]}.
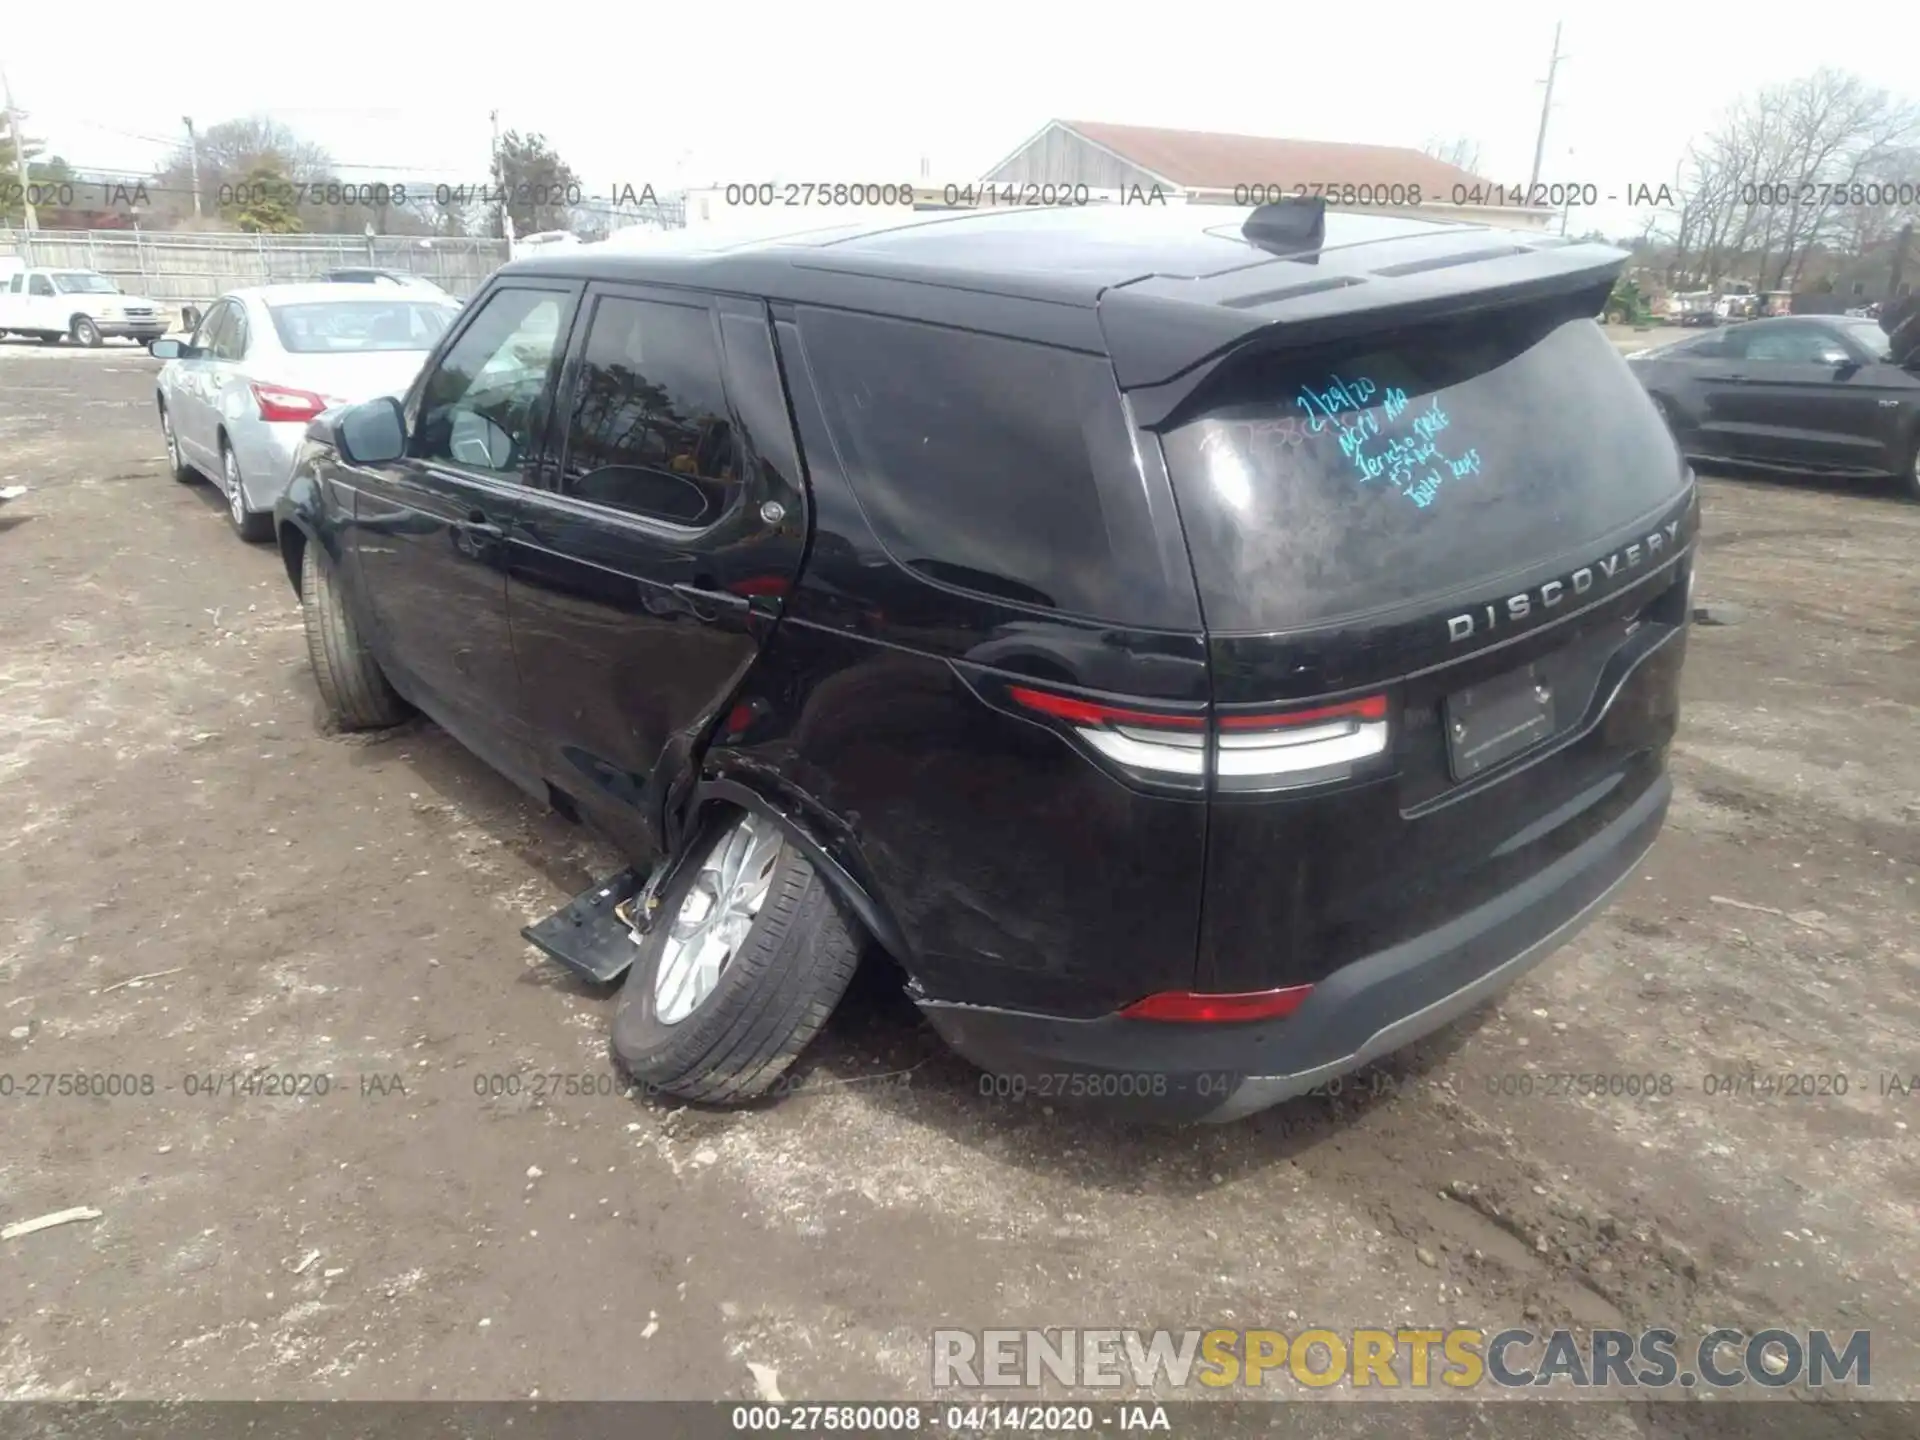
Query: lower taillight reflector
{"points": [[1197, 1006]]}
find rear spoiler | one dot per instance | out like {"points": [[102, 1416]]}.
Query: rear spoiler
{"points": [[1165, 334]]}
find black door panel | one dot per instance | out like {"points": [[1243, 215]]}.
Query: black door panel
{"points": [[647, 571], [439, 593], [431, 530], [1795, 394]]}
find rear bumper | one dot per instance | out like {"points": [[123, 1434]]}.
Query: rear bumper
{"points": [[266, 451], [1370, 1008]]}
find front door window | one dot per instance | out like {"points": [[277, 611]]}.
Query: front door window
{"points": [[478, 408]]}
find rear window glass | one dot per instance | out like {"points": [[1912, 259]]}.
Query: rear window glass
{"points": [[1376, 475], [331, 326], [978, 463]]}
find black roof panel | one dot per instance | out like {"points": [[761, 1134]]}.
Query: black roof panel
{"points": [[1169, 284]]}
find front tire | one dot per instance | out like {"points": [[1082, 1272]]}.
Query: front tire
{"points": [[352, 687], [86, 333], [750, 955], [1910, 481]]}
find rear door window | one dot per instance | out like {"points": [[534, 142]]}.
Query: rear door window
{"points": [[649, 430], [993, 466], [1379, 474]]}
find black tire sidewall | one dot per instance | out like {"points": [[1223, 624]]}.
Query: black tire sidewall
{"points": [[654, 1054]]}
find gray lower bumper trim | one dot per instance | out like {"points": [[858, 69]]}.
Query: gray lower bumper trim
{"points": [[1257, 1092]]}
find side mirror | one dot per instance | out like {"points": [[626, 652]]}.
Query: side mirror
{"points": [[370, 433], [169, 349]]}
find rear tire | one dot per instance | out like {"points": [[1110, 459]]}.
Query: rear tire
{"points": [[176, 463], [352, 687], [775, 989], [253, 526]]}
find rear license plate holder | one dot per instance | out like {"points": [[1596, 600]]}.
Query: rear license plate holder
{"points": [[1497, 719]]}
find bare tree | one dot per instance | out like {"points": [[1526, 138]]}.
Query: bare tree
{"points": [[1810, 167], [1459, 152]]}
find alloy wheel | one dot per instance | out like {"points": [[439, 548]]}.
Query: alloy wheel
{"points": [[715, 917]]}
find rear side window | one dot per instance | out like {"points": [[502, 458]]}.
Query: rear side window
{"points": [[979, 461], [1376, 475]]}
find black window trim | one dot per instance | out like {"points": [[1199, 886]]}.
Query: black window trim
{"points": [[558, 440], [527, 482]]}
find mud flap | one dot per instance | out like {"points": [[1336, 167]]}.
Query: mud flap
{"points": [[590, 934]]}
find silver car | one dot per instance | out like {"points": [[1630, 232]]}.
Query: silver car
{"points": [[236, 398]]}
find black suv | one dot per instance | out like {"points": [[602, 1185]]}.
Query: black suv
{"points": [[1207, 650]]}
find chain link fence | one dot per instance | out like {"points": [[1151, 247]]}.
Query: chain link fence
{"points": [[193, 269]]}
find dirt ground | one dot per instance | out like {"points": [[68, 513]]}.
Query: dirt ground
{"points": [[319, 905]]}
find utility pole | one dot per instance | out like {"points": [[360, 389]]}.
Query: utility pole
{"points": [[193, 161], [1902, 243], [499, 178], [19, 152], [1546, 108]]}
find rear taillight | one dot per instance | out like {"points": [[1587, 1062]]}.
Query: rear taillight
{"points": [[1282, 749], [280, 402], [1164, 745], [1258, 750]]}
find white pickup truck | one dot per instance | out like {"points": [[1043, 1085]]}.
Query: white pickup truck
{"points": [[55, 304]]}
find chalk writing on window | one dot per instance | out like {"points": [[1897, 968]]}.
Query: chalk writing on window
{"points": [[1386, 437]]}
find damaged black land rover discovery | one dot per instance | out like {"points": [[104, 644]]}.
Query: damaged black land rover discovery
{"points": [[1207, 650]]}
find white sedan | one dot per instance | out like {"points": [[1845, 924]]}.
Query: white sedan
{"points": [[235, 400]]}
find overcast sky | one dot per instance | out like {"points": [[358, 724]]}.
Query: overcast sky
{"points": [[850, 92]]}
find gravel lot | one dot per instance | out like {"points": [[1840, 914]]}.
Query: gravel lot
{"points": [[349, 908]]}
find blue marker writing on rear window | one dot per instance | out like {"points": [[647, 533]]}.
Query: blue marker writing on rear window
{"points": [[1339, 396], [1412, 463]]}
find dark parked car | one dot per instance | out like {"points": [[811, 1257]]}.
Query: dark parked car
{"points": [[1807, 393], [1206, 650]]}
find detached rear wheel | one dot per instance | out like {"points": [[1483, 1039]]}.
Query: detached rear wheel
{"points": [[352, 687], [748, 959]]}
